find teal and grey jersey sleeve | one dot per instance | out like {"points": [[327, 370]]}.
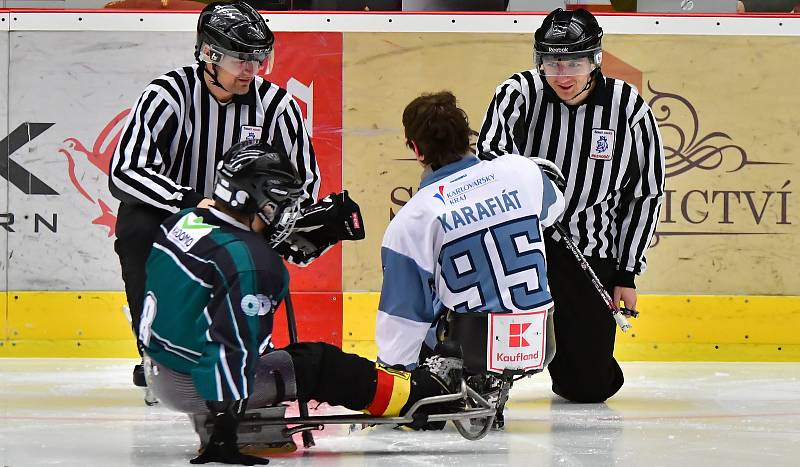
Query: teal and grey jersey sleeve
{"points": [[239, 320]]}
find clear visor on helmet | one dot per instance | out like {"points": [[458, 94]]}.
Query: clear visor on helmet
{"points": [[239, 64], [568, 63]]}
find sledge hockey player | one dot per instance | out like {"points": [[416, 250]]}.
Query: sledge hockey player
{"points": [[467, 247], [213, 284]]}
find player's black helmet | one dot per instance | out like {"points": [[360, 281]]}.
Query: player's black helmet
{"points": [[235, 30], [568, 36], [254, 177]]}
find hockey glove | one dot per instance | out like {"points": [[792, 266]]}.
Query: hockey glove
{"points": [[320, 226], [222, 446], [333, 218], [300, 249]]}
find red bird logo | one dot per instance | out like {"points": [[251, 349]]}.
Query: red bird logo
{"points": [[99, 156]]}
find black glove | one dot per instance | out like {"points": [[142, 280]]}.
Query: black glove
{"points": [[303, 248], [222, 446], [320, 226], [333, 218]]}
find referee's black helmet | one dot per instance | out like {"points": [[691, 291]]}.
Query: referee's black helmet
{"points": [[236, 28], [568, 32]]}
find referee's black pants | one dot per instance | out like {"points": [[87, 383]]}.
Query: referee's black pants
{"points": [[137, 226], [584, 368]]}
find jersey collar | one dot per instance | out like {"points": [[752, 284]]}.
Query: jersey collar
{"points": [[250, 97], [226, 218], [600, 91], [467, 160]]}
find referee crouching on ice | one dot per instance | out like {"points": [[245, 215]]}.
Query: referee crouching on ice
{"points": [[604, 138], [185, 120]]}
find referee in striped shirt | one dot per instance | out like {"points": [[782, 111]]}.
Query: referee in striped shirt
{"points": [[185, 120], [603, 136]]}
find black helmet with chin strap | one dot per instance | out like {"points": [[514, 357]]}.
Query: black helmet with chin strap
{"points": [[231, 33], [256, 178], [568, 43], [568, 32]]}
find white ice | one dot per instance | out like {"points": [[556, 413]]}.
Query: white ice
{"points": [[84, 412]]}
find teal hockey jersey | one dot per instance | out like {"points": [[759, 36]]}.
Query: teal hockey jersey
{"points": [[211, 291]]}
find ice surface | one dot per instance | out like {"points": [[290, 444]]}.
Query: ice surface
{"points": [[84, 412]]}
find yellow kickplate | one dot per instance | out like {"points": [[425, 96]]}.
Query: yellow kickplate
{"points": [[66, 324], [89, 348], [67, 315], [670, 328]]}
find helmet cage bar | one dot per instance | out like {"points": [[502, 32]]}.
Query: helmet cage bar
{"points": [[287, 218]]}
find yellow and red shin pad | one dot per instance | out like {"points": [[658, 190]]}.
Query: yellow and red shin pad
{"points": [[391, 392]]}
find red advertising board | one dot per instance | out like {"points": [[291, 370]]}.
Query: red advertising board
{"points": [[309, 65]]}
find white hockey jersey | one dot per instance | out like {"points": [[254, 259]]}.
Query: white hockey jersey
{"points": [[469, 240]]}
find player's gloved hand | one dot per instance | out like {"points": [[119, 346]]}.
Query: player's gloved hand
{"points": [[222, 446], [320, 226], [334, 217], [302, 249]]}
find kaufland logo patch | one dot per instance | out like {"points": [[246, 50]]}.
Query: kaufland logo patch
{"points": [[516, 335], [516, 341]]}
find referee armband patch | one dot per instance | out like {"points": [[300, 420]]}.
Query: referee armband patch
{"points": [[602, 144]]}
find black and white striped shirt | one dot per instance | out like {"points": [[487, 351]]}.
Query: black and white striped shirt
{"points": [[177, 131], [609, 149]]}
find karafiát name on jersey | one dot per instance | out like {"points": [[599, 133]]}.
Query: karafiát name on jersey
{"points": [[480, 210]]}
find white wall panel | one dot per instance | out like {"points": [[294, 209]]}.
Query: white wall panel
{"points": [[70, 86]]}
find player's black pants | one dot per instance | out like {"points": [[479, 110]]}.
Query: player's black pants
{"points": [[137, 226], [584, 368], [303, 371]]}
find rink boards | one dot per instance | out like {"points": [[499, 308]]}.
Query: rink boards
{"points": [[721, 283]]}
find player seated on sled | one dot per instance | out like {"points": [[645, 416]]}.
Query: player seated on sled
{"points": [[467, 248], [214, 281]]}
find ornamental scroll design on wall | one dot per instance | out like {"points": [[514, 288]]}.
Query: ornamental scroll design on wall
{"points": [[684, 148], [687, 148]]}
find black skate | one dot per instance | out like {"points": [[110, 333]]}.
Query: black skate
{"points": [[442, 373], [447, 364]]}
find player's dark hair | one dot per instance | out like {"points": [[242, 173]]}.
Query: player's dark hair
{"points": [[439, 128]]}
